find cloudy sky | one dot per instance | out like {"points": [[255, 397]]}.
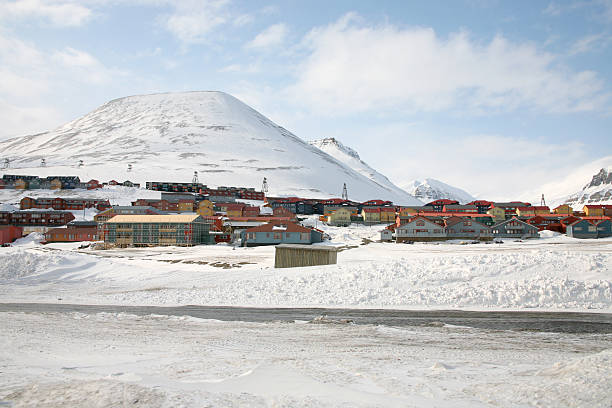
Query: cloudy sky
{"points": [[495, 97]]}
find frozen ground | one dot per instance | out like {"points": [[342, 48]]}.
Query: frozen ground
{"points": [[111, 360], [553, 273]]}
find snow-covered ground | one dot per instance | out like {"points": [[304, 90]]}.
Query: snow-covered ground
{"points": [[552, 273], [118, 360]]}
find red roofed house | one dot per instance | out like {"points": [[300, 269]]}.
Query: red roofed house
{"points": [[9, 233], [438, 205], [532, 211], [371, 215]]}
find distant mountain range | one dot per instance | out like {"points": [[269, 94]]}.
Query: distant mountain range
{"points": [[430, 189]]}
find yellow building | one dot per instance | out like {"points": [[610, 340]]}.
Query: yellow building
{"points": [[206, 208], [563, 209], [56, 184], [21, 184], [185, 206], [406, 212], [340, 216], [387, 214], [593, 210], [498, 214], [371, 215]]}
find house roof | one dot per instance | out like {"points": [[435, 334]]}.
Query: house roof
{"points": [[449, 222], [443, 201], [171, 218], [276, 226], [371, 210], [534, 208]]}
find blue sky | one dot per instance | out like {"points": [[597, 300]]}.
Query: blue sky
{"points": [[495, 97]]}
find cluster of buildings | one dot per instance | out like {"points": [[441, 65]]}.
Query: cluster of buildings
{"points": [[25, 182], [194, 214]]}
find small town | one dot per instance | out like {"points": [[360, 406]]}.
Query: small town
{"points": [[190, 214], [305, 204]]}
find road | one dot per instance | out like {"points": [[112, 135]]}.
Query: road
{"points": [[555, 322]]}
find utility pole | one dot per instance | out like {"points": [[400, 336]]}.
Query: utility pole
{"points": [[194, 180], [43, 162], [542, 201], [264, 186], [344, 192]]}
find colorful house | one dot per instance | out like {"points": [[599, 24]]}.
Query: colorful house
{"points": [[604, 229], [371, 215], [420, 228], [341, 216], [206, 208], [498, 213], [532, 211], [387, 214], [280, 233], [592, 210], [563, 209], [438, 205], [72, 234], [20, 184], [467, 228], [515, 228], [582, 229], [9, 233]]}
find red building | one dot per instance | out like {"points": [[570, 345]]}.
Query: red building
{"points": [[35, 218], [58, 203], [438, 205], [163, 205], [9, 233], [72, 234]]}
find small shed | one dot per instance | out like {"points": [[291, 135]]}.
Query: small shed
{"points": [[295, 255]]}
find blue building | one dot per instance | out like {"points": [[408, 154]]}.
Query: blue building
{"points": [[515, 228]]}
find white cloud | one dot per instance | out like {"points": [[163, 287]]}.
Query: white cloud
{"points": [[590, 43], [59, 13], [32, 82], [272, 36], [192, 21], [351, 67]]}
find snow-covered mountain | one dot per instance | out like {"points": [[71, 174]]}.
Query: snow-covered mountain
{"points": [[351, 158], [169, 136], [431, 189], [597, 191]]}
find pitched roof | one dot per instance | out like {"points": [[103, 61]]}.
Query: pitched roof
{"points": [[161, 219], [275, 226]]}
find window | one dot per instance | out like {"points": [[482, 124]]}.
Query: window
{"points": [[467, 223], [278, 235], [305, 236], [420, 223]]}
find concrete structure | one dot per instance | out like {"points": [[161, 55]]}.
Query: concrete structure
{"points": [[292, 255], [157, 230]]}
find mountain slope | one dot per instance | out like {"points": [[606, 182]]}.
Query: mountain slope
{"points": [[597, 191], [430, 189], [351, 158], [169, 136]]}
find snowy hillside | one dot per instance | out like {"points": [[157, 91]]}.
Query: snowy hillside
{"points": [[587, 184], [431, 189], [351, 158], [169, 136], [597, 191]]}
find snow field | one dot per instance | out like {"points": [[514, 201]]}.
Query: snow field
{"points": [[108, 360], [554, 274]]}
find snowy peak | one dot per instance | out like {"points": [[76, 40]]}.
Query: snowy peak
{"points": [[597, 191], [171, 136], [350, 158], [603, 177], [430, 189], [330, 143]]}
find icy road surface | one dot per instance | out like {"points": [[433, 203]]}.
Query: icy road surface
{"points": [[109, 360]]}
